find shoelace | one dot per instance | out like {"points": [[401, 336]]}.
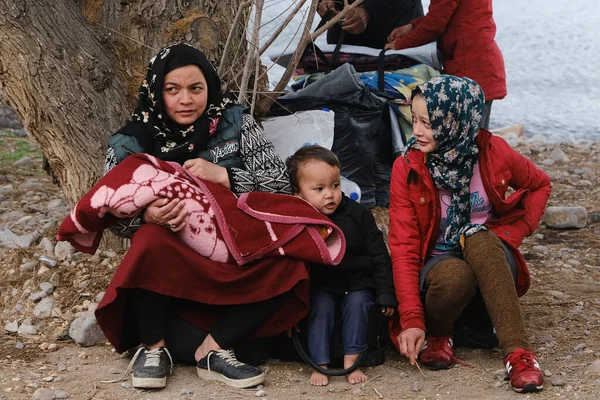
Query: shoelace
{"points": [[522, 361], [441, 343], [227, 355], [152, 360]]}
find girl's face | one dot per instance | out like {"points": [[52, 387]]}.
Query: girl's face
{"points": [[320, 185], [185, 94], [421, 126]]}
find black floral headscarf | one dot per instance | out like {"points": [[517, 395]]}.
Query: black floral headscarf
{"points": [[455, 107], [151, 126]]}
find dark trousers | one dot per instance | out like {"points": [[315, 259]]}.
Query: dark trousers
{"points": [[355, 307], [156, 322]]}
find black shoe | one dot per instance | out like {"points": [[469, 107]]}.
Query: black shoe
{"points": [[222, 366], [151, 367]]}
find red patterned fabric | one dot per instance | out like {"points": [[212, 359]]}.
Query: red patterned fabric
{"points": [[158, 261], [219, 225]]}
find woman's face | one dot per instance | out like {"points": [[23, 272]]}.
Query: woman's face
{"points": [[421, 126], [185, 94]]}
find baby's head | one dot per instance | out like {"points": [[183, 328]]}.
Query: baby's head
{"points": [[315, 176]]}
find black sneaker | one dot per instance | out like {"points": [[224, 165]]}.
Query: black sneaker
{"points": [[151, 367], [222, 366]]}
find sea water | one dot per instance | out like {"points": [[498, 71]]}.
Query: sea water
{"points": [[551, 50]]}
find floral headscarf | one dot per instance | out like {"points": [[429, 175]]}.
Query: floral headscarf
{"points": [[455, 107], [149, 123]]}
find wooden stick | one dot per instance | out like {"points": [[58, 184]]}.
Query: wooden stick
{"points": [[251, 56], [418, 366], [378, 394], [255, 43], [335, 19]]}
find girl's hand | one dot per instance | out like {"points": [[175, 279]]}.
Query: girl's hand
{"points": [[398, 32], [387, 311], [203, 169], [166, 212], [411, 341]]}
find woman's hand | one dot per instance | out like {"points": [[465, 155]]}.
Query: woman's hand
{"points": [[387, 311], [398, 32], [411, 341], [325, 5], [356, 21], [166, 212], [203, 169]]}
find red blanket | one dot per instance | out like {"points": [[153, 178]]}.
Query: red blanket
{"points": [[219, 226]]}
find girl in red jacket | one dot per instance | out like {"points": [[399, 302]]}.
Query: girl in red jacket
{"points": [[454, 233], [465, 31]]}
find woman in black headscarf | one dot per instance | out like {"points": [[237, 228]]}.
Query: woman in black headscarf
{"points": [[164, 295]]}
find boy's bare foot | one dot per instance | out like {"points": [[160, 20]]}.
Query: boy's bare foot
{"points": [[357, 376], [318, 379]]}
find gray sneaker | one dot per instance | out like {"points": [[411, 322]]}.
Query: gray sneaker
{"points": [[222, 366], [151, 367]]}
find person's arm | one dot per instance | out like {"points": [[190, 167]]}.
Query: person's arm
{"points": [[265, 172], [525, 175], [428, 28], [381, 264], [404, 243]]}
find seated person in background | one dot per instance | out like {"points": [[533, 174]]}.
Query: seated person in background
{"points": [[370, 23], [363, 278]]}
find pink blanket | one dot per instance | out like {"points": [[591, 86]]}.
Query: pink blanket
{"points": [[219, 226]]}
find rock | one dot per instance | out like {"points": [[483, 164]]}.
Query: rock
{"points": [[557, 381], [538, 236], [56, 204], [30, 184], [501, 374], [579, 348], [85, 331], [47, 287], [43, 394], [565, 217], [547, 373], [46, 245], [6, 189], [19, 345], [559, 156], [99, 297], [63, 249], [27, 329], [126, 385], [44, 308], [186, 392], [37, 296], [55, 279], [23, 163], [595, 367], [594, 216], [556, 293], [60, 394], [260, 393], [48, 261], [12, 327], [15, 292], [548, 162], [416, 387], [12, 241], [28, 266], [43, 269]]}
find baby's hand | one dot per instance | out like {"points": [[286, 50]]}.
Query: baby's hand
{"points": [[387, 311]]}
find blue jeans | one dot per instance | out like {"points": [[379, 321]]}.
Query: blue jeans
{"points": [[355, 307]]}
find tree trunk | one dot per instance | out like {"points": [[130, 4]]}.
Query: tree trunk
{"points": [[71, 68]]}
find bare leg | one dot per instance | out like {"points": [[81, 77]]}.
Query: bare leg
{"points": [[357, 376], [319, 379], [207, 345]]}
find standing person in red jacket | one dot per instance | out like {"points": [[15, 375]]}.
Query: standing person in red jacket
{"points": [[465, 31], [454, 232]]}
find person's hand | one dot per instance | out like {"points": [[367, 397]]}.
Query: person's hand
{"points": [[411, 341], [356, 21], [325, 5], [389, 46], [387, 311], [398, 32], [203, 169], [166, 212]]}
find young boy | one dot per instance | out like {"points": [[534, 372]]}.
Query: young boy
{"points": [[361, 280]]}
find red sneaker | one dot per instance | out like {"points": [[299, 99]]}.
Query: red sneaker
{"points": [[524, 371], [437, 352]]}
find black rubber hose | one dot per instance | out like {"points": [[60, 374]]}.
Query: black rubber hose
{"points": [[330, 372]]}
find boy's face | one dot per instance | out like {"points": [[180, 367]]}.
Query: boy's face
{"points": [[320, 185]]}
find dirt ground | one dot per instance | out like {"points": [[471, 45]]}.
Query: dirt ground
{"points": [[561, 310]]}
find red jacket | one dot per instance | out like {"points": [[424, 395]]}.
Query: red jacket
{"points": [[465, 30], [415, 217]]}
